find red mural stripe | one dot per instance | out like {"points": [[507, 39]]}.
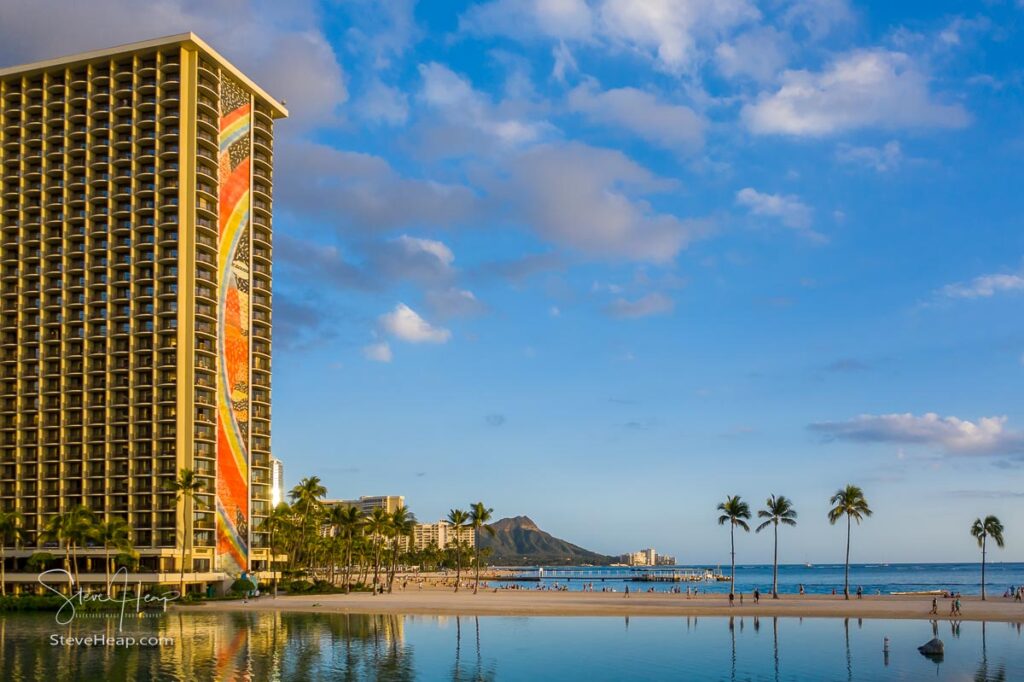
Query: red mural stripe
{"points": [[229, 118], [231, 190]]}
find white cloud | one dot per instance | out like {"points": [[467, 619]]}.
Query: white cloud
{"points": [[558, 19], [416, 245], [654, 303], [360, 192], [565, 63], [672, 30], [426, 261], [672, 33], [381, 32], [672, 126], [885, 158], [384, 104], [405, 324], [454, 302], [818, 17], [584, 198], [984, 286], [788, 208], [759, 54], [378, 352], [986, 436], [455, 99], [863, 89]]}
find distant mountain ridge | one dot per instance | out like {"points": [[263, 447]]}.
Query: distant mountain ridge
{"points": [[519, 541]]}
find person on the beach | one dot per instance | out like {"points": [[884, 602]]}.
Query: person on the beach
{"points": [[860, 592], [627, 591], [757, 595], [935, 607], [801, 588], [732, 599]]}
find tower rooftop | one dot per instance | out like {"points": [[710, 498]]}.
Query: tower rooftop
{"points": [[181, 39]]}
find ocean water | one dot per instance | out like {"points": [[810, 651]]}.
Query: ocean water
{"points": [[817, 579], [280, 646]]}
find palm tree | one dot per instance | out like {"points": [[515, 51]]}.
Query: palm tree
{"points": [[378, 525], [350, 523], [459, 519], [185, 488], [70, 529], [277, 523], [10, 532], [848, 502], [306, 496], [55, 531], [112, 532], [479, 515], [777, 510], [403, 525], [991, 527], [735, 512]]}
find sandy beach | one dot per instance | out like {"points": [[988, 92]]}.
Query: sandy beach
{"points": [[538, 603]]}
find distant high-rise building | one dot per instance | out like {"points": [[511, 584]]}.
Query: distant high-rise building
{"points": [[644, 557], [441, 535], [135, 301], [276, 482], [388, 503]]}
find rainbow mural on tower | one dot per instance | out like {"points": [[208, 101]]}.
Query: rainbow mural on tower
{"points": [[234, 171]]}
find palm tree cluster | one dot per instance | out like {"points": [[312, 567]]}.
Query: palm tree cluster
{"points": [[344, 546], [848, 502], [72, 529], [778, 510]]}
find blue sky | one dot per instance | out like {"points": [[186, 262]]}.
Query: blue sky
{"points": [[603, 263]]}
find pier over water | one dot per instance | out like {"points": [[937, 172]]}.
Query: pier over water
{"points": [[641, 574]]}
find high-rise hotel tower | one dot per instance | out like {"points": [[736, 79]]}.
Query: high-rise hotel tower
{"points": [[135, 284]]}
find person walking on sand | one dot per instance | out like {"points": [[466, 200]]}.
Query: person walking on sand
{"points": [[627, 591], [935, 607], [860, 592], [757, 595], [732, 599]]}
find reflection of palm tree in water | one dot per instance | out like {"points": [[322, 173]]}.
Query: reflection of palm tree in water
{"points": [[849, 660], [732, 633], [479, 672], [775, 645], [457, 674], [999, 675]]}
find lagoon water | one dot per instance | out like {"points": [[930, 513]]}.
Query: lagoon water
{"points": [[292, 646], [823, 578]]}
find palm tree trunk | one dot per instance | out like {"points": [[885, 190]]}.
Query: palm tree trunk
{"points": [[732, 554], [458, 567], [106, 564], [348, 565], [74, 558], [376, 565], [984, 538], [3, 570], [476, 568], [775, 568], [181, 574], [846, 579]]}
